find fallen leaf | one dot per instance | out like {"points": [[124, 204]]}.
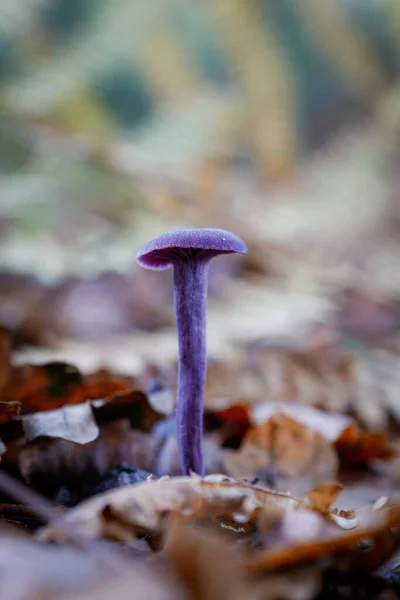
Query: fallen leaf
{"points": [[271, 530], [133, 405], [371, 525], [284, 454], [329, 424], [73, 423], [321, 499], [20, 515], [209, 567], [48, 464], [52, 385], [229, 505], [9, 410], [358, 447], [354, 445]]}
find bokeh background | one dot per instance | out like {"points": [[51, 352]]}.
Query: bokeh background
{"points": [[276, 119]]}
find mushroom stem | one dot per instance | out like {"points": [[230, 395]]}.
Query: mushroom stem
{"points": [[190, 284]]}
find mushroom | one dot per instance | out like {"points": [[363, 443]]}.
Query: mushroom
{"points": [[190, 251]]}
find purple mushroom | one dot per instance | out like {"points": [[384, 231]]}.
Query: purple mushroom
{"points": [[190, 252]]}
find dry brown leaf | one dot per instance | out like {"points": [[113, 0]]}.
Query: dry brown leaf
{"points": [[354, 445], [144, 507], [329, 424], [9, 410], [72, 423], [52, 385], [284, 454], [133, 405], [209, 568], [46, 462], [370, 524], [275, 528], [358, 447], [320, 499]]}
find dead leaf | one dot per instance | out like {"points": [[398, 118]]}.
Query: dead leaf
{"points": [[72, 423], [371, 525], [20, 515], [133, 405], [329, 424], [320, 499], [358, 447], [272, 529], [49, 463], [9, 410], [354, 445], [226, 504], [284, 454], [209, 568], [52, 385]]}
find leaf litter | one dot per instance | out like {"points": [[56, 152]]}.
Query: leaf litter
{"points": [[271, 512], [301, 498]]}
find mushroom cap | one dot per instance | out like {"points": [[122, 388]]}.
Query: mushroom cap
{"points": [[168, 248]]}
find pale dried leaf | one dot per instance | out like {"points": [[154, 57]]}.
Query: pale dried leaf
{"points": [[330, 425], [143, 507], [284, 454], [74, 423]]}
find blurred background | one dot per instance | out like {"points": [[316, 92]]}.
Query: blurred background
{"points": [[276, 119]]}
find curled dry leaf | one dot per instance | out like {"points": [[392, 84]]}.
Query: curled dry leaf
{"points": [[133, 405], [229, 505], [9, 410], [274, 530], [329, 424], [354, 445], [73, 423], [284, 454], [20, 516], [49, 463], [369, 524], [320, 499], [208, 566], [50, 386]]}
